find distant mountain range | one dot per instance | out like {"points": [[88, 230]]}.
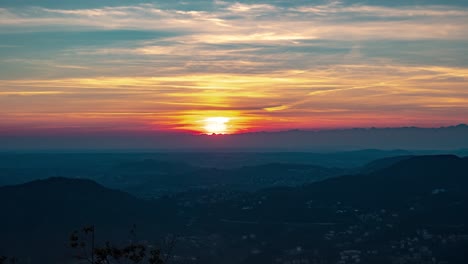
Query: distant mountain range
{"points": [[443, 138], [423, 191], [156, 174]]}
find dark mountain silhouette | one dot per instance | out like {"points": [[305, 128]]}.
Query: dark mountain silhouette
{"points": [[383, 163], [121, 170], [38, 216], [435, 184], [424, 191], [420, 193], [409, 177], [447, 138]]}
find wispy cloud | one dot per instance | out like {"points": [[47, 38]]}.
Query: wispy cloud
{"points": [[261, 64], [250, 23], [345, 90]]}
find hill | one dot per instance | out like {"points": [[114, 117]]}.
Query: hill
{"points": [[425, 182], [419, 201], [39, 215]]}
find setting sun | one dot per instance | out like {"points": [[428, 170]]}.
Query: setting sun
{"points": [[216, 125]]}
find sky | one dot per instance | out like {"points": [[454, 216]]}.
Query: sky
{"points": [[208, 66]]}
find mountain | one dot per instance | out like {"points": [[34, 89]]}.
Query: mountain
{"points": [[428, 182], [38, 216], [407, 211], [156, 174], [442, 138], [409, 177], [401, 206], [383, 163]]}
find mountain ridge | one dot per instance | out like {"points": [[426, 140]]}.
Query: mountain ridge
{"points": [[423, 191], [443, 138]]}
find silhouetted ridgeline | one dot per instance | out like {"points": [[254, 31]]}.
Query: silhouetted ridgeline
{"points": [[401, 210], [38, 216], [113, 169], [448, 138]]}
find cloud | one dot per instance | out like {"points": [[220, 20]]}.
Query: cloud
{"points": [[259, 22], [253, 8], [260, 64], [383, 11], [333, 93]]}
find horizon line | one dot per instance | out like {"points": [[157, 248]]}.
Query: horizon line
{"points": [[91, 131]]}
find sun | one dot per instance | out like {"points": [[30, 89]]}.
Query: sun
{"points": [[216, 125]]}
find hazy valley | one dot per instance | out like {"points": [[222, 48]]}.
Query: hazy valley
{"points": [[396, 209]]}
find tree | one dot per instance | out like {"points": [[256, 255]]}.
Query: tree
{"points": [[132, 253], [6, 260]]}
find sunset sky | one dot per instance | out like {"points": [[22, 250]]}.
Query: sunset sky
{"points": [[232, 66]]}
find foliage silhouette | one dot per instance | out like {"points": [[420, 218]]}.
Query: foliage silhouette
{"points": [[7, 260], [133, 253]]}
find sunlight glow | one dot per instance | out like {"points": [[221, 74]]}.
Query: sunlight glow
{"points": [[216, 125]]}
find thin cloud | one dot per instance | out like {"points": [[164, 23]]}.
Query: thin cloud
{"points": [[258, 64], [338, 22]]}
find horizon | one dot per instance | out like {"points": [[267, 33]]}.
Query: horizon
{"points": [[405, 138], [77, 130]]}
